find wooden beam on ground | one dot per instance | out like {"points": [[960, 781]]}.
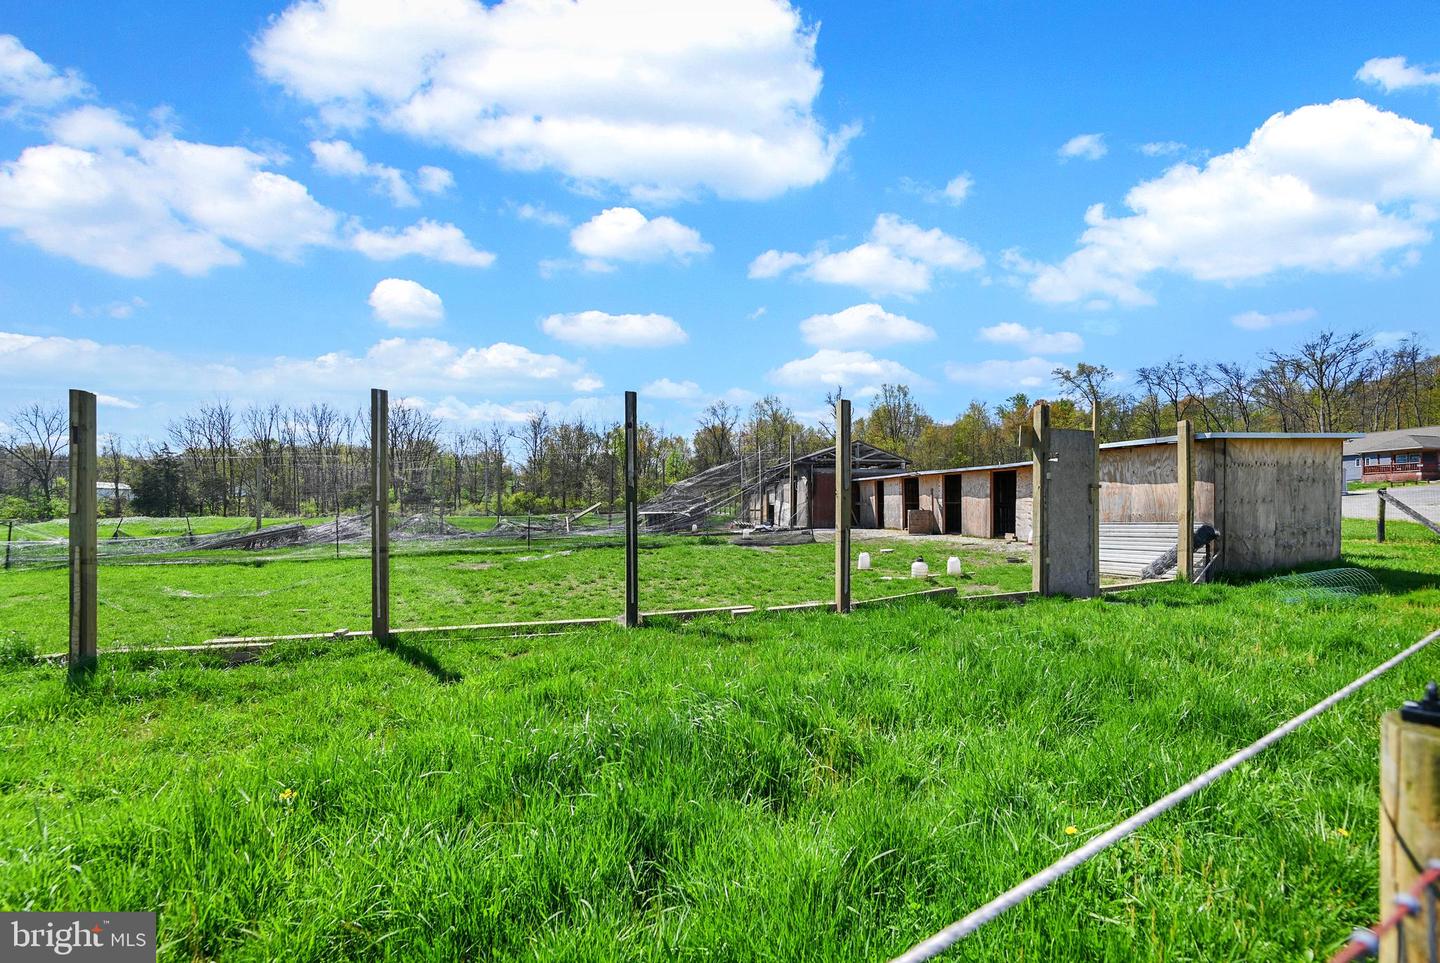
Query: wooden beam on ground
{"points": [[842, 505], [687, 614], [1185, 500], [576, 518], [922, 593], [632, 517], [380, 513], [1385, 496], [84, 553], [1002, 597], [803, 607]]}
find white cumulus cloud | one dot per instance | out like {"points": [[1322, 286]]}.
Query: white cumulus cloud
{"points": [[856, 370], [1031, 372], [863, 325], [1161, 148], [405, 365], [402, 303], [343, 159], [958, 188], [1033, 340], [425, 238], [1085, 147], [1260, 321], [671, 390], [1396, 73], [29, 82], [434, 180], [898, 258], [1328, 187], [114, 401], [105, 195], [624, 234], [661, 99], [598, 329]]}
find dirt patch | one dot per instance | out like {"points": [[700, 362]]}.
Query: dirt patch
{"points": [[472, 566]]}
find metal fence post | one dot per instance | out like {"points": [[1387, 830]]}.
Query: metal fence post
{"points": [[632, 514], [379, 514], [842, 505]]}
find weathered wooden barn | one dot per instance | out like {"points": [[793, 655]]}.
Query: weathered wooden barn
{"points": [[1275, 498]]}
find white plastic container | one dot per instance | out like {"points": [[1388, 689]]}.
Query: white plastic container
{"points": [[952, 567], [863, 562], [918, 569]]}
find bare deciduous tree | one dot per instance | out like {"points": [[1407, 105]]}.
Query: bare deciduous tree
{"points": [[36, 438]]}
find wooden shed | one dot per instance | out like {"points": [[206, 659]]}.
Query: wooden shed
{"points": [[1275, 498]]}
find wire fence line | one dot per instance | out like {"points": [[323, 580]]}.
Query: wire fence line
{"points": [[946, 938]]}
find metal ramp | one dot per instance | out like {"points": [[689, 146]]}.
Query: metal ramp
{"points": [[1127, 550]]}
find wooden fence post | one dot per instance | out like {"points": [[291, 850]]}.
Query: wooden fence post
{"points": [[380, 514], [1380, 515], [1185, 501], [632, 514], [790, 492], [842, 505], [1040, 463], [1409, 812], [83, 535], [9, 537], [259, 504]]}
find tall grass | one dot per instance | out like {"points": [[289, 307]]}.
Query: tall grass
{"points": [[768, 788]]}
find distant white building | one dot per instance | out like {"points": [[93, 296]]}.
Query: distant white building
{"points": [[111, 490]]}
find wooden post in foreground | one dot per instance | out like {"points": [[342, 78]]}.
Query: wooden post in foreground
{"points": [[1185, 501], [1380, 515], [1409, 812], [842, 505], [84, 604], [1040, 465], [380, 514], [632, 514]]}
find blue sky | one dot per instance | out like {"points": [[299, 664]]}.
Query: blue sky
{"points": [[490, 209]]}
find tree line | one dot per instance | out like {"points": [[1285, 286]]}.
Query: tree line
{"points": [[220, 459]]}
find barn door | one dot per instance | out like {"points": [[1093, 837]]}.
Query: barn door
{"points": [[822, 501]]}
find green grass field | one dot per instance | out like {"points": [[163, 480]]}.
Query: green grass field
{"points": [[776, 787], [150, 601]]}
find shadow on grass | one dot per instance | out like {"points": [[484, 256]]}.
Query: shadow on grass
{"points": [[1399, 581], [1393, 581], [421, 659]]}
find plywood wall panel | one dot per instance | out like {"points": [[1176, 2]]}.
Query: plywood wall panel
{"points": [[1024, 503], [975, 503]]}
